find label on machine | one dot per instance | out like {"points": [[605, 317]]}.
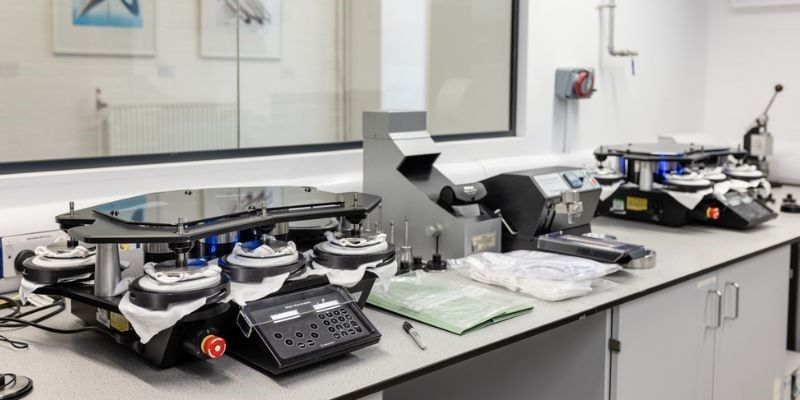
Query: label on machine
{"points": [[636, 203]]}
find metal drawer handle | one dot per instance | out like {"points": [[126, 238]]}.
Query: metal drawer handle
{"points": [[737, 288], [718, 315]]}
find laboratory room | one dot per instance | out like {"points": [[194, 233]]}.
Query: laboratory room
{"points": [[400, 199]]}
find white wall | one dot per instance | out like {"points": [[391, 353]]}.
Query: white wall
{"points": [[666, 95], [749, 51]]}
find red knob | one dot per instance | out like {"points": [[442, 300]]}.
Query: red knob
{"points": [[213, 346], [712, 213]]}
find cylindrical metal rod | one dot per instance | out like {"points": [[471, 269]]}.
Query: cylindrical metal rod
{"points": [[107, 272]]}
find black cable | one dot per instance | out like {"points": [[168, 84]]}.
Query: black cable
{"points": [[19, 345], [49, 328]]}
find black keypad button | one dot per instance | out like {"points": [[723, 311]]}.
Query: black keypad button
{"points": [[337, 336], [310, 342], [331, 329], [346, 325], [315, 335], [359, 330], [343, 310], [336, 312], [341, 319], [289, 342], [348, 316], [352, 331], [326, 322], [344, 334], [329, 314], [301, 345], [278, 335], [299, 334], [339, 327], [321, 316], [314, 326]]}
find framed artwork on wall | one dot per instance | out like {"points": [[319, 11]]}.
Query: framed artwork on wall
{"points": [[259, 23], [104, 27]]}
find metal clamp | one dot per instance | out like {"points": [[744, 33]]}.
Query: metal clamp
{"points": [[718, 314], [499, 214], [736, 287]]}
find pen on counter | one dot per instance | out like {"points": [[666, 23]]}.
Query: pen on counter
{"points": [[414, 335]]}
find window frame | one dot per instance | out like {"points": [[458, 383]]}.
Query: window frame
{"points": [[163, 158]]}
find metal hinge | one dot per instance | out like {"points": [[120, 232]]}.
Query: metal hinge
{"points": [[614, 345]]}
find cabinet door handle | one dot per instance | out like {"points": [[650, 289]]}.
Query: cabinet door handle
{"points": [[736, 288], [715, 295]]}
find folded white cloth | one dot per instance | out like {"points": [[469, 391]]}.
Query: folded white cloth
{"points": [[689, 200], [175, 276], [350, 246], [263, 256], [241, 293], [349, 278], [26, 287], [148, 323]]}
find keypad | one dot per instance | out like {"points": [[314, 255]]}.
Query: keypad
{"points": [[314, 331]]}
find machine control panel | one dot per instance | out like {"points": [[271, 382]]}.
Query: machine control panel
{"points": [[553, 184], [304, 327]]}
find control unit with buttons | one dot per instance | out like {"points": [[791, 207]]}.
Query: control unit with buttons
{"points": [[301, 328]]}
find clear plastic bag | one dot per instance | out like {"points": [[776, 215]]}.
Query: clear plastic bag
{"points": [[546, 276]]}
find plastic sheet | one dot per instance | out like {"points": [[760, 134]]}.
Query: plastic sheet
{"points": [[546, 276], [443, 302]]}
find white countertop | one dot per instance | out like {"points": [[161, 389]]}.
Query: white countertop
{"points": [[91, 366]]}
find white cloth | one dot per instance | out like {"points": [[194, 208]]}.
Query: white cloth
{"points": [[539, 288], [607, 190], [689, 200], [348, 246], [263, 256], [241, 293], [26, 287], [148, 323], [175, 276], [349, 278]]}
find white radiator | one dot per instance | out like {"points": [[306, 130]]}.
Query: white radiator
{"points": [[167, 128]]}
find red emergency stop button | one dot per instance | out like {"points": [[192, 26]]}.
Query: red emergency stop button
{"points": [[712, 213], [213, 346]]}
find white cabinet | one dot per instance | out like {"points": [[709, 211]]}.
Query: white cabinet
{"points": [[720, 336]]}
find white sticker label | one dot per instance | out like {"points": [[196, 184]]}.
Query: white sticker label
{"points": [[326, 305], [707, 282], [551, 184], [484, 242], [102, 317]]}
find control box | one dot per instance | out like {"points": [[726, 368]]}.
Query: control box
{"points": [[574, 83], [284, 332]]}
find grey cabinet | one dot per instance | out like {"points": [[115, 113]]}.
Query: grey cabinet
{"points": [[720, 336]]}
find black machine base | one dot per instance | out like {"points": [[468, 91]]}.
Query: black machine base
{"points": [[739, 211], [179, 343]]}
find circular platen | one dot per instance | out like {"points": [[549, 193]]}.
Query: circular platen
{"points": [[21, 387]]}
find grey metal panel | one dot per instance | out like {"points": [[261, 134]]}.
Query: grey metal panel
{"points": [[751, 349], [566, 363], [378, 124], [667, 351]]}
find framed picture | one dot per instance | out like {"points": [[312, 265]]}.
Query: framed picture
{"points": [[259, 23], [104, 27]]}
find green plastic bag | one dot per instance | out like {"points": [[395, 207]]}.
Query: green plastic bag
{"points": [[447, 302]]}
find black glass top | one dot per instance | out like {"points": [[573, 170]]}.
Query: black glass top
{"points": [[202, 205], [665, 151]]}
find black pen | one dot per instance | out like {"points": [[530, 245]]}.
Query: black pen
{"points": [[414, 335]]}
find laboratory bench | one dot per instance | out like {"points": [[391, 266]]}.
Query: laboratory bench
{"points": [[559, 350]]}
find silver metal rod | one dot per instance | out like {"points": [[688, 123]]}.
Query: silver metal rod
{"points": [[391, 232], [107, 271], [405, 242]]}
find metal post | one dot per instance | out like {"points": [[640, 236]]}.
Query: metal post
{"points": [[107, 271]]}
